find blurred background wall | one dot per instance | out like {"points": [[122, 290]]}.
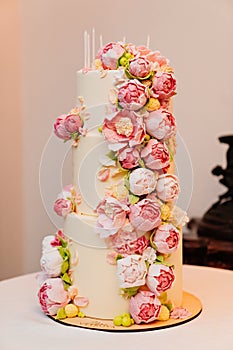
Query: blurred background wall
{"points": [[41, 49]]}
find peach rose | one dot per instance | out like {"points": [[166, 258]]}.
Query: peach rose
{"points": [[132, 95], [167, 187], [142, 181], [160, 124], [123, 129], [160, 278], [131, 271], [166, 238], [156, 155], [144, 307], [145, 215], [52, 295]]}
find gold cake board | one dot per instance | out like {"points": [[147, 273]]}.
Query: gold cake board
{"points": [[190, 302]]}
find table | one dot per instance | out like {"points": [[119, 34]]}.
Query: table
{"points": [[24, 326]]}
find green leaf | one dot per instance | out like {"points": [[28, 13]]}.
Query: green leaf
{"points": [[66, 285], [141, 163], [133, 199], [63, 242], [75, 135], [118, 257], [62, 252], [129, 292], [66, 278], [65, 266], [112, 155], [169, 306], [151, 240], [160, 258], [61, 314]]}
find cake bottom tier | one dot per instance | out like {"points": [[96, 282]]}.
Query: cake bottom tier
{"points": [[97, 280]]}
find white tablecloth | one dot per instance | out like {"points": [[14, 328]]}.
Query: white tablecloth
{"points": [[24, 326]]}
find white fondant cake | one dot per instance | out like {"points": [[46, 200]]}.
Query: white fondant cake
{"points": [[121, 247]]}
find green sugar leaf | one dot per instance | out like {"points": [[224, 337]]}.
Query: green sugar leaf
{"points": [[61, 314], [133, 199], [112, 155], [66, 278], [65, 266]]}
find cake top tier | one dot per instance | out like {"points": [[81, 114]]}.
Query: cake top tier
{"points": [[139, 61]]}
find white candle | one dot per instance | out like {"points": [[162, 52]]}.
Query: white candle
{"points": [[101, 41], [88, 51], [93, 46], [85, 49]]}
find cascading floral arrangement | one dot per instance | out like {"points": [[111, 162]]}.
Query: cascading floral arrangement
{"points": [[137, 217]]}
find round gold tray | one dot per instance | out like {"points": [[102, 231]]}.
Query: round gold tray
{"points": [[190, 302]]}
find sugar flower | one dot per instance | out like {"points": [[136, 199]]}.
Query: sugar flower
{"points": [[160, 124], [156, 155], [166, 238], [167, 187], [160, 278], [144, 307], [52, 296], [131, 271], [145, 215], [111, 216], [123, 129], [142, 181]]}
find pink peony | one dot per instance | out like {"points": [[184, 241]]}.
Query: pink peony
{"points": [[142, 181], [156, 155], [167, 187], [60, 129], [73, 123], [139, 67], [166, 238], [160, 124], [111, 216], [52, 296], [145, 215], [160, 278], [51, 260], [144, 307], [110, 54], [163, 85], [134, 247], [131, 271], [62, 207], [132, 95], [125, 128], [123, 237], [129, 157]]}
